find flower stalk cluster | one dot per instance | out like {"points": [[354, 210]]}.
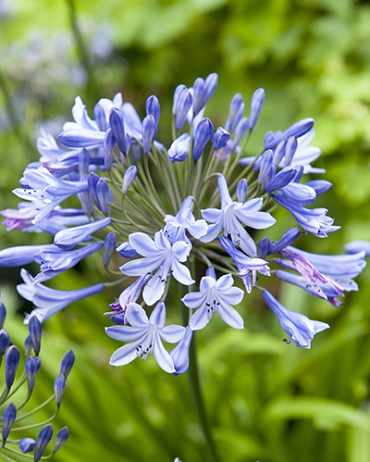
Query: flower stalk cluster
{"points": [[185, 214], [11, 415]]}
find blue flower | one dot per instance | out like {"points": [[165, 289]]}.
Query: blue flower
{"points": [[161, 254], [230, 215], [50, 301], [299, 327], [179, 149], [147, 335], [215, 296]]}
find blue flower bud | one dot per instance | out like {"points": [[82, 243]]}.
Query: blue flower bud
{"points": [[99, 116], [43, 440], [176, 95], [34, 326], [235, 112], [240, 130], [271, 140], [61, 438], [299, 128], [220, 138], [126, 250], [128, 178], [28, 346], [153, 108], [263, 248], [4, 342], [67, 363], [287, 239], [83, 162], [256, 105], [266, 162], [148, 129], [92, 182], [320, 186], [279, 152], [31, 371], [290, 149], [27, 445], [109, 247], [118, 129], [210, 85], [108, 148], [179, 149], [242, 190], [184, 103], [203, 133], [281, 179], [11, 365], [9, 417], [59, 386], [211, 272], [2, 314], [180, 354], [202, 91], [104, 195], [69, 238]]}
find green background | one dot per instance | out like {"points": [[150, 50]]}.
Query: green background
{"points": [[266, 401]]}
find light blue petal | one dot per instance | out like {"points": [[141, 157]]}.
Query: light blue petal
{"points": [[125, 354], [206, 283], [136, 316], [200, 319], [181, 273], [225, 282], [162, 356], [212, 233], [230, 316], [172, 334], [234, 295], [154, 290], [194, 299], [198, 229], [158, 316], [181, 249], [212, 215], [142, 266], [125, 333], [143, 244]]}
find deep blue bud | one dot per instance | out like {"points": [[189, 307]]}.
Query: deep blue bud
{"points": [[320, 186], [203, 133], [235, 112], [104, 195], [176, 95], [279, 153], [271, 140], [263, 248], [299, 128], [92, 182], [27, 445], [242, 190], [4, 342], [2, 314], [99, 116], [220, 138], [61, 438], [281, 179], [126, 250], [210, 85], [31, 371], [9, 417], [43, 440], [179, 149], [256, 105], [108, 148], [153, 108], [266, 163], [34, 326], [67, 363], [59, 386], [128, 178], [184, 103], [287, 238], [28, 346], [118, 129], [202, 91], [11, 365], [149, 131], [83, 162], [109, 247], [290, 149], [240, 130]]}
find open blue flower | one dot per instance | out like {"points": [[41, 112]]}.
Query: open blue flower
{"points": [[215, 296], [147, 335]]}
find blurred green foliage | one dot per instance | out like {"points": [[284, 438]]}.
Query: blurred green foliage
{"points": [[266, 401]]}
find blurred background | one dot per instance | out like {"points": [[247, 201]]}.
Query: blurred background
{"points": [[266, 400]]}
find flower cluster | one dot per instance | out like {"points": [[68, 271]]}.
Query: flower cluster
{"points": [[11, 415], [185, 214]]}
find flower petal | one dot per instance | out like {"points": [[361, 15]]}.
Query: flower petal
{"points": [[162, 356], [136, 316], [181, 273], [125, 333], [143, 244], [172, 334], [125, 354], [229, 315], [200, 319], [194, 299], [158, 316]]}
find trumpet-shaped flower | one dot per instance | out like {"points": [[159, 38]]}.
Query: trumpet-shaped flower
{"points": [[215, 296], [299, 327], [230, 216], [147, 335], [160, 254]]}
